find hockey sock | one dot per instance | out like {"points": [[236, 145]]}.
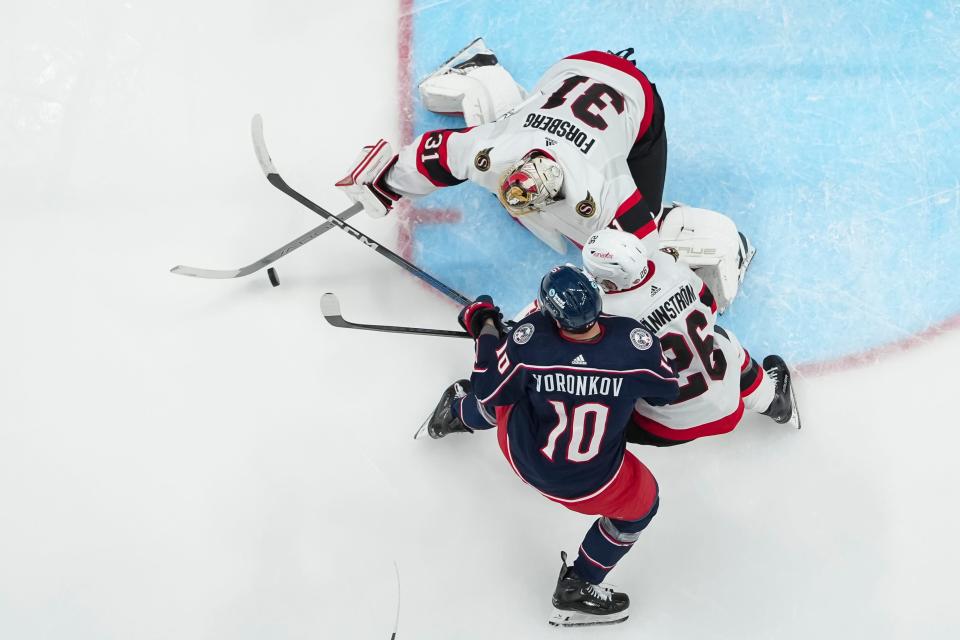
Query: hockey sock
{"points": [[756, 388], [471, 413], [606, 542]]}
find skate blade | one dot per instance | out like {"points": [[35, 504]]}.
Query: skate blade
{"points": [[423, 427], [563, 618], [795, 414]]}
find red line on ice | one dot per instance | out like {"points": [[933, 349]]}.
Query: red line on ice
{"points": [[408, 215]]}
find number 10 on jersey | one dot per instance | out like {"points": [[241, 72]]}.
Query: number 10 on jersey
{"points": [[593, 412]]}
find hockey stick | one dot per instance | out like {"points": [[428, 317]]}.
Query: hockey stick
{"points": [[269, 170], [330, 307], [271, 257]]}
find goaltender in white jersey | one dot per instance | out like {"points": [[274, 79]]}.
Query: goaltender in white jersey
{"points": [[584, 151], [718, 378]]}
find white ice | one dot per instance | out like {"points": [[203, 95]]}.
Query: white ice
{"points": [[206, 459]]}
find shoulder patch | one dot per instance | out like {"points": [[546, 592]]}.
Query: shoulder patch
{"points": [[641, 338], [482, 160], [523, 333], [586, 207]]}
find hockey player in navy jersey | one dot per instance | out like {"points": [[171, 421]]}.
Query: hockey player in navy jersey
{"points": [[560, 388], [585, 150]]}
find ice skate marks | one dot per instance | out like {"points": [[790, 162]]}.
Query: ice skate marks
{"points": [[827, 193]]}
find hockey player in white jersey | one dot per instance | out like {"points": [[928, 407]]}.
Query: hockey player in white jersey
{"points": [[718, 378], [584, 151]]}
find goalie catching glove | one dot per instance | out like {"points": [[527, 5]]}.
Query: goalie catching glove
{"points": [[366, 183], [473, 317]]}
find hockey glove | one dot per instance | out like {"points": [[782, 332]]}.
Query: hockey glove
{"points": [[473, 316], [366, 183]]}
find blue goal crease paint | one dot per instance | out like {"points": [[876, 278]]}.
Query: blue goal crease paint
{"points": [[825, 133]]}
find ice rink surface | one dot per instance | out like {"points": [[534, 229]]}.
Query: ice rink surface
{"points": [[833, 126], [203, 459]]}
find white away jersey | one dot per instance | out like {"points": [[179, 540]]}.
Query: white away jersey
{"points": [[586, 113], [675, 304]]}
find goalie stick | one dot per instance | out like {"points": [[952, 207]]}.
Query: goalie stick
{"points": [[271, 257], [269, 170], [330, 307]]}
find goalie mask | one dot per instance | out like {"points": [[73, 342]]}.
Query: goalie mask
{"points": [[530, 184], [618, 260]]}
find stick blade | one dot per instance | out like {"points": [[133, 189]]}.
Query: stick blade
{"points": [[195, 272], [330, 307], [260, 145]]}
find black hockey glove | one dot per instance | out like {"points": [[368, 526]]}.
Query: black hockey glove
{"points": [[476, 313]]}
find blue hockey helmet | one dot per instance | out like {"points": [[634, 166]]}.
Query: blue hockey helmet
{"points": [[571, 297]]}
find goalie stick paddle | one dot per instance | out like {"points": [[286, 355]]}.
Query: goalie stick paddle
{"points": [[271, 257], [269, 170], [330, 307]]}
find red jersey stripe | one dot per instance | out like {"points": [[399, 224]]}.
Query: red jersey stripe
{"points": [[629, 203], [618, 63], [717, 427]]}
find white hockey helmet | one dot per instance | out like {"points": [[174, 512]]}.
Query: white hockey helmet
{"points": [[530, 183], [616, 259]]}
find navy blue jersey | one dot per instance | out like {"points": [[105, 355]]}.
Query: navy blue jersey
{"points": [[569, 402]]}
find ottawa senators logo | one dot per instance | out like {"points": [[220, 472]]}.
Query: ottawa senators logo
{"points": [[586, 207], [482, 160]]}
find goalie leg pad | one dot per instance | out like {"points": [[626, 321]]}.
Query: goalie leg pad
{"points": [[473, 83], [709, 243]]}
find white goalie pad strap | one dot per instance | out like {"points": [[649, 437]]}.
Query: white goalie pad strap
{"points": [[708, 242], [481, 94]]}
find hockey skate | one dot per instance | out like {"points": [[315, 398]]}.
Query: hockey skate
{"points": [[443, 421], [783, 408], [577, 602], [475, 54]]}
